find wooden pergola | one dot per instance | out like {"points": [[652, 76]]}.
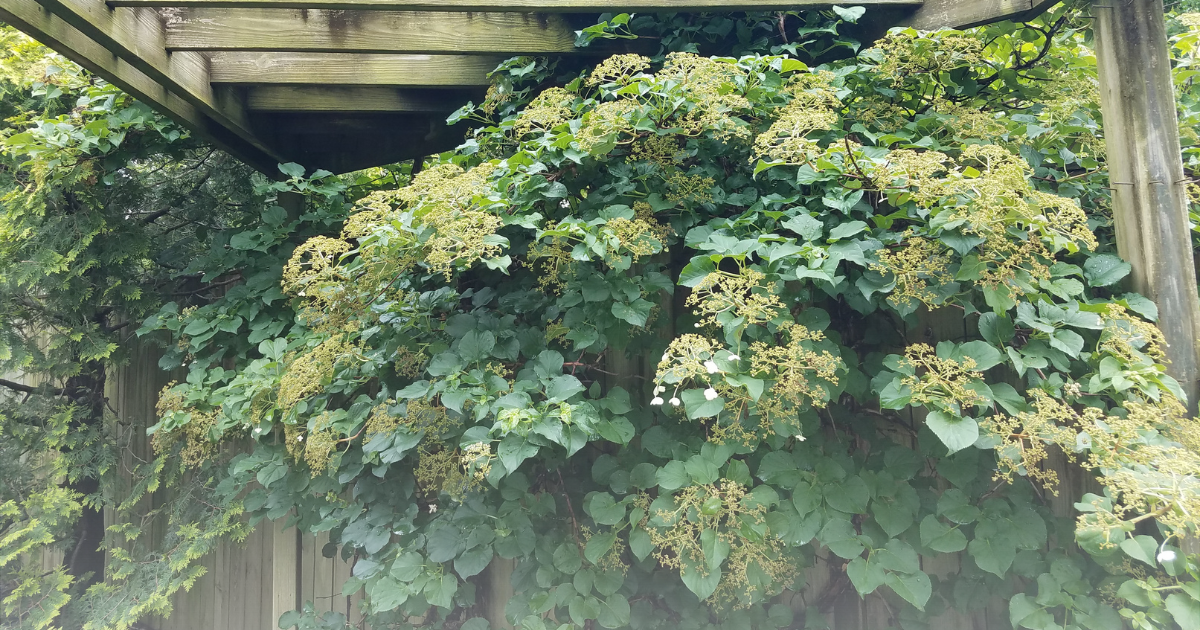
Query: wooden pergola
{"points": [[346, 84]]}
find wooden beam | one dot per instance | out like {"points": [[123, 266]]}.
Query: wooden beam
{"points": [[935, 14], [1137, 98], [291, 98], [53, 31], [520, 6], [351, 69], [367, 31], [136, 36]]}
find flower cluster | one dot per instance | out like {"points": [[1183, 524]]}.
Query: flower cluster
{"points": [[742, 295]]}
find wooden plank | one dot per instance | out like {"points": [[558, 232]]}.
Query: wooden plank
{"points": [[324, 594], [53, 31], [935, 14], [521, 6], [349, 99], [1137, 99], [351, 69], [308, 554], [367, 31], [284, 570], [136, 35]]}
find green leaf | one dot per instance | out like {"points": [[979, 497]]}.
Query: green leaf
{"points": [[673, 476], [1068, 341], [614, 612], [515, 449], [699, 579], [639, 543], [955, 433], [566, 558], [807, 227], [865, 575], [850, 496], [599, 545], [1103, 270], [386, 594], [996, 329], [701, 470], [994, 555], [476, 346], [893, 517], [473, 561], [644, 476], [915, 588], [851, 14], [940, 537], [1140, 548], [562, 387], [441, 592], [1185, 609], [635, 313], [604, 510], [699, 406], [846, 230]]}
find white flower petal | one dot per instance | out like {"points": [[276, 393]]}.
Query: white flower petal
{"points": [[657, 401], [710, 394], [734, 357], [1165, 556], [711, 366], [675, 402]]}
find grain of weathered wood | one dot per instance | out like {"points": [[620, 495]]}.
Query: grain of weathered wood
{"points": [[50, 29], [351, 69], [367, 31], [136, 36], [1137, 98], [935, 14], [531, 6], [285, 570], [349, 99]]}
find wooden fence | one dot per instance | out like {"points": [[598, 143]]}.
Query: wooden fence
{"points": [[248, 586]]}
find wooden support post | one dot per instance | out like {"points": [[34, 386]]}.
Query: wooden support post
{"points": [[1146, 173]]}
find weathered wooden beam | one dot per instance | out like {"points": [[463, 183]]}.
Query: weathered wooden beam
{"points": [[935, 14], [351, 69], [136, 36], [520, 6], [1141, 130], [53, 31], [293, 98], [367, 31]]}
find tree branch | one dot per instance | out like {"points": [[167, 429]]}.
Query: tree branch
{"points": [[31, 389]]}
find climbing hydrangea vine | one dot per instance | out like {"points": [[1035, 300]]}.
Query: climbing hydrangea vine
{"points": [[702, 341]]}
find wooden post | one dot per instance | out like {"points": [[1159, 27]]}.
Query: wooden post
{"points": [[1146, 172]]}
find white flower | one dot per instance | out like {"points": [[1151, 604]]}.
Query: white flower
{"points": [[734, 357], [711, 366], [657, 400], [299, 438], [697, 324], [432, 508], [710, 394], [800, 437], [675, 402], [660, 389], [258, 429], [1165, 556], [564, 204]]}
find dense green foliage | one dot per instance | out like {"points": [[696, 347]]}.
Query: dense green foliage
{"points": [[679, 335]]}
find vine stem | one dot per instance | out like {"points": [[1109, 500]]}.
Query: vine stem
{"points": [[574, 522]]}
